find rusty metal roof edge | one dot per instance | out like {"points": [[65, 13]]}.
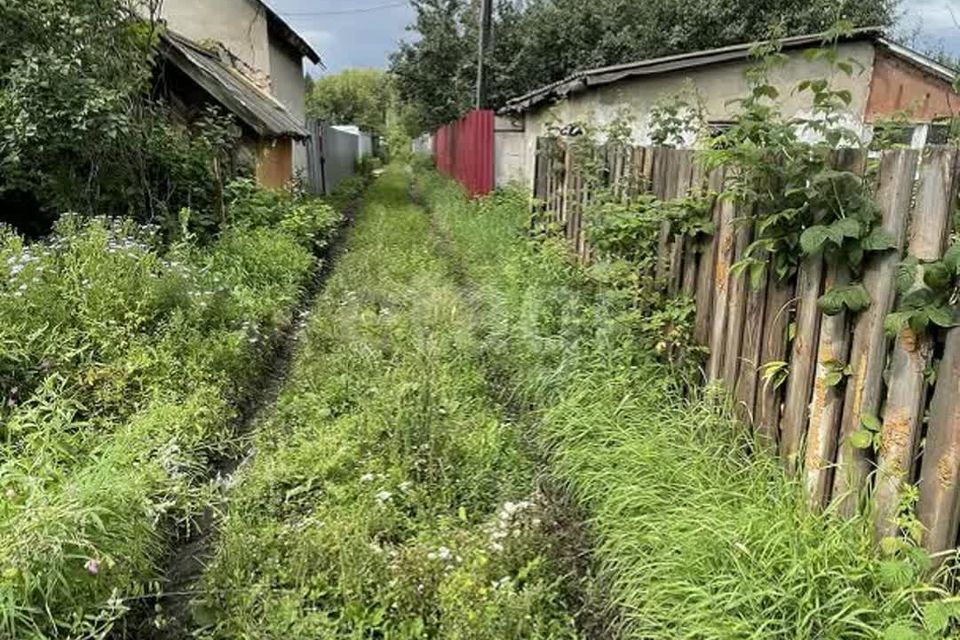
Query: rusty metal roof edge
{"points": [[613, 73], [920, 60]]}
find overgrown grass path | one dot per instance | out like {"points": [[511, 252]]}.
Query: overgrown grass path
{"points": [[388, 496]]}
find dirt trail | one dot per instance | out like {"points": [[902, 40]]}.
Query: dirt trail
{"points": [[572, 542]]}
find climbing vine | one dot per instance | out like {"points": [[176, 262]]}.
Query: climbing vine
{"points": [[798, 181]]}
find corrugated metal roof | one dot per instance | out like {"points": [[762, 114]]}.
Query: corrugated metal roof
{"points": [[583, 80], [258, 110]]}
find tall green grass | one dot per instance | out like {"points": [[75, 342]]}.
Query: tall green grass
{"points": [[121, 362], [694, 537], [388, 496]]}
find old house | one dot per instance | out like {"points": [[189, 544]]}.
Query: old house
{"points": [[887, 79], [241, 55]]}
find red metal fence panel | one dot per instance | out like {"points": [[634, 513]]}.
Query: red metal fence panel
{"points": [[463, 150]]}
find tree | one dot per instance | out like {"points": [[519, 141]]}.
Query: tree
{"points": [[537, 42], [80, 128], [355, 96]]}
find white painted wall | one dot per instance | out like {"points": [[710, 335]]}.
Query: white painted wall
{"points": [[716, 85], [240, 25], [508, 151]]}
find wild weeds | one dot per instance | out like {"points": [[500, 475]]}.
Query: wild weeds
{"points": [[121, 359], [388, 496], [695, 537]]}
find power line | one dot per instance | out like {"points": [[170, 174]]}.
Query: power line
{"points": [[340, 12]]}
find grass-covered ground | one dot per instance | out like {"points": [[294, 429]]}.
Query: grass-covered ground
{"points": [[124, 355], [393, 488], [389, 497], [693, 537]]}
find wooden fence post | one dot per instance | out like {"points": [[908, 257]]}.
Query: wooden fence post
{"points": [[912, 353], [773, 348], [939, 506], [737, 304], [691, 249], [751, 345], [869, 349], [826, 407], [664, 185], [802, 359], [721, 289], [708, 261]]}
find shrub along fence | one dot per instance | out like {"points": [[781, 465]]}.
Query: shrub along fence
{"points": [[853, 399]]}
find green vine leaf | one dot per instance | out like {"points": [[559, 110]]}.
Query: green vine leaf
{"points": [[853, 297], [951, 259], [937, 275], [895, 322], [844, 228], [907, 274], [861, 439], [901, 631], [871, 423], [942, 316], [813, 238], [879, 239]]}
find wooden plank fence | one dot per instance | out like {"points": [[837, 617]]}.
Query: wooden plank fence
{"points": [[807, 420]]}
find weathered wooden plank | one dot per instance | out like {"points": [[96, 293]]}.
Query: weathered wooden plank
{"points": [[833, 348], [793, 422], [737, 303], [939, 506], [664, 187], [637, 178], [721, 289], [707, 265], [585, 197], [550, 171], [649, 169], [566, 187], [776, 319], [745, 390], [869, 348], [826, 407], [680, 189], [692, 250], [912, 353]]}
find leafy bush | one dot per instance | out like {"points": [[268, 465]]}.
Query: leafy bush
{"points": [[80, 129]]}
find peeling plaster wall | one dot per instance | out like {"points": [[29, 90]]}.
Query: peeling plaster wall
{"points": [[240, 25], [288, 86], [716, 85]]}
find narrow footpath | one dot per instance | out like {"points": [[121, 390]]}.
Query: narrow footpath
{"points": [[390, 495]]}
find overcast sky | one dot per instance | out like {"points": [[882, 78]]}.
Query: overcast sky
{"points": [[362, 33]]}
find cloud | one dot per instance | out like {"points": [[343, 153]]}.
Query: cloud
{"points": [[344, 37]]}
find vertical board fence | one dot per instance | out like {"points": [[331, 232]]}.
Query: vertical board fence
{"points": [[807, 419], [463, 150]]}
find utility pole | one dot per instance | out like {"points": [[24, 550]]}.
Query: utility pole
{"points": [[486, 21]]}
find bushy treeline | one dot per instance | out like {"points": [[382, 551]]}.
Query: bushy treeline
{"points": [[536, 42], [123, 356], [80, 128]]}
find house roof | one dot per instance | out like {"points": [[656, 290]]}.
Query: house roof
{"points": [[279, 26], [584, 80], [263, 113]]}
